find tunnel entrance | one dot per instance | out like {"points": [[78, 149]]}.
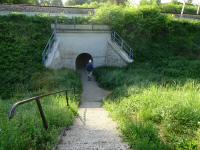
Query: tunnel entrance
{"points": [[82, 60]]}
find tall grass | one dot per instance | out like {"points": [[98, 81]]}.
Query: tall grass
{"points": [[155, 100], [154, 110], [25, 130]]}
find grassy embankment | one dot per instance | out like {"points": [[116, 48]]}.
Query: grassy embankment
{"points": [[155, 100], [22, 40]]}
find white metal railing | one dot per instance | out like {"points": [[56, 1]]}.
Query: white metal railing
{"points": [[48, 46], [120, 42]]}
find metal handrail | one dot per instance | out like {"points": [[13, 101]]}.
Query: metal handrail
{"points": [[48, 47], [120, 42], [37, 99]]}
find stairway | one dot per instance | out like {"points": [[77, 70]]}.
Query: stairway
{"points": [[93, 129]]}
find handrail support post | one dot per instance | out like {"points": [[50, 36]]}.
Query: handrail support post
{"points": [[45, 124], [67, 99]]}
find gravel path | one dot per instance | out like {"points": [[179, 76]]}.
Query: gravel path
{"points": [[93, 129]]}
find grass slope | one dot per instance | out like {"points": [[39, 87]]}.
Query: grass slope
{"points": [[22, 40], [155, 100], [25, 130]]}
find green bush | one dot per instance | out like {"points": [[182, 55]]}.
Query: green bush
{"points": [[151, 114], [157, 93], [22, 40], [153, 36]]}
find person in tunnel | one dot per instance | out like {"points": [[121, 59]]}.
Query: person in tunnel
{"points": [[89, 69]]}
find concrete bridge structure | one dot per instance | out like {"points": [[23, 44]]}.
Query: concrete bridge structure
{"points": [[71, 46]]}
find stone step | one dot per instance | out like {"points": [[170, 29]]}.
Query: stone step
{"points": [[92, 146]]}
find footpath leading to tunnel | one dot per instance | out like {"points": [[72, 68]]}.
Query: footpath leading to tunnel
{"points": [[93, 129]]}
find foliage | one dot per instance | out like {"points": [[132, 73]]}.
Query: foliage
{"points": [[155, 100], [176, 8], [152, 34], [25, 130], [22, 40], [154, 110], [50, 2], [150, 2]]}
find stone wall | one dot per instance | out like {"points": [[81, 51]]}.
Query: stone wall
{"points": [[45, 9]]}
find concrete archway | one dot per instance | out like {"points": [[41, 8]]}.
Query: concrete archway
{"points": [[82, 60]]}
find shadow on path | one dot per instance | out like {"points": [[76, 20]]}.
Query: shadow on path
{"points": [[93, 129]]}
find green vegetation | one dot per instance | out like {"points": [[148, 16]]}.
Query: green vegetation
{"points": [[155, 100], [25, 130], [22, 40], [176, 9]]}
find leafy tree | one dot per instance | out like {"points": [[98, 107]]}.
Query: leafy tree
{"points": [[175, 2], [56, 3], [44, 2], [150, 2], [144, 2], [190, 1]]}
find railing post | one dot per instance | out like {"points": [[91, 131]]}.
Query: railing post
{"points": [[45, 124], [74, 90], [183, 7], [55, 26], [122, 44], [67, 99]]}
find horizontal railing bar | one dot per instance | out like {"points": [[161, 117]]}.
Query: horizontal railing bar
{"points": [[13, 109], [122, 39], [50, 39], [120, 42]]}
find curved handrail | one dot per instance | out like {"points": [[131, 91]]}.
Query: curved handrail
{"points": [[37, 99]]}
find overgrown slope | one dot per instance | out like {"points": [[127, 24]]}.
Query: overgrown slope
{"points": [[22, 40], [155, 100]]}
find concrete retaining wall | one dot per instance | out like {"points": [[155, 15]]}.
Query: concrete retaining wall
{"points": [[94, 40], [74, 44], [79, 27], [113, 58]]}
